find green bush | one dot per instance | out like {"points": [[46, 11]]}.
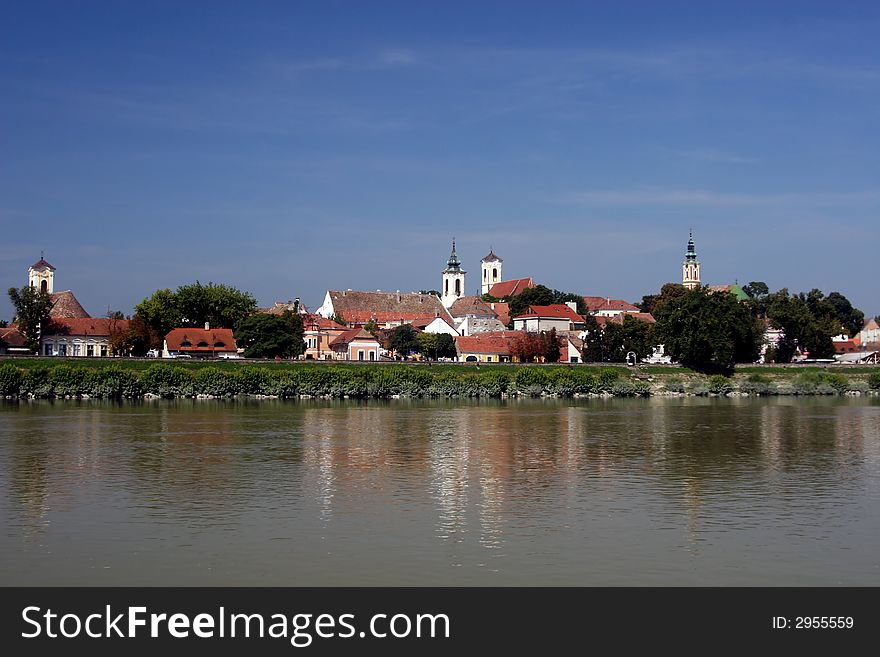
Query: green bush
{"points": [[674, 385], [493, 382], [168, 380], [757, 388], [114, 382], [10, 380], [215, 382], [35, 382], [630, 389], [70, 381], [821, 383], [606, 379], [531, 381], [720, 384], [874, 380]]}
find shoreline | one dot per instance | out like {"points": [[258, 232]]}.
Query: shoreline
{"points": [[117, 379]]}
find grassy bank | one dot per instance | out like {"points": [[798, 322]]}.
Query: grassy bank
{"points": [[117, 379]]}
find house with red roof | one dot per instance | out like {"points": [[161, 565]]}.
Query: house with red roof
{"points": [[608, 307], [511, 288], [559, 316], [494, 347], [355, 344], [80, 336], [318, 333], [385, 309], [12, 342], [199, 343]]}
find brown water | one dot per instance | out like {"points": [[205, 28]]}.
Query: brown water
{"points": [[618, 492]]}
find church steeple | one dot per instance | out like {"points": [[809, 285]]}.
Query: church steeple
{"points": [[453, 279], [690, 268]]}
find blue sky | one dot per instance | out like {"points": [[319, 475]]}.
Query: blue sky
{"points": [[291, 147]]}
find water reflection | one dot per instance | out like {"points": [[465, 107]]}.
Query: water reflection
{"points": [[532, 491]]}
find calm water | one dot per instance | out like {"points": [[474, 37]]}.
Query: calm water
{"points": [[617, 492]]}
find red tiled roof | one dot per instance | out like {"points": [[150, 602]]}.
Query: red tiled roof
{"points": [[313, 322], [64, 304], [602, 320], [211, 338], [497, 342], [471, 305], [42, 264], [502, 309], [358, 307], [595, 304], [95, 326], [511, 288], [553, 311], [846, 346], [350, 336], [12, 337]]}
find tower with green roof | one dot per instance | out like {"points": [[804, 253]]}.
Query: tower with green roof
{"points": [[690, 268], [453, 279]]}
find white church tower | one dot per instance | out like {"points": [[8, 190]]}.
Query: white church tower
{"points": [[490, 267], [690, 268], [453, 279], [41, 275]]}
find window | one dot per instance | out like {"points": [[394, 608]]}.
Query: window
{"points": [[44, 286], [47, 349], [90, 350], [458, 287], [62, 350], [485, 273], [360, 354], [372, 355], [76, 350], [186, 343], [219, 345], [494, 273], [488, 359], [103, 351], [446, 289], [202, 343]]}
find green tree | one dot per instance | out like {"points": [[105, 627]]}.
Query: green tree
{"points": [[32, 308], [371, 326], [160, 312], [550, 348], [852, 319], [3, 323], [222, 306], [428, 345], [446, 346], [756, 289], [339, 319], [807, 321], [593, 351], [708, 332], [669, 291], [297, 329], [267, 336], [403, 340], [535, 296]]}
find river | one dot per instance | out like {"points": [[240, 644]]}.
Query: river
{"points": [[660, 491]]}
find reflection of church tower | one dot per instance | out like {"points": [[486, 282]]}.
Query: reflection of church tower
{"points": [[491, 271], [690, 268], [453, 279], [41, 275]]}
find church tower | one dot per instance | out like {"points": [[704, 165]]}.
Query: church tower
{"points": [[490, 267], [453, 279], [41, 275], [690, 268]]}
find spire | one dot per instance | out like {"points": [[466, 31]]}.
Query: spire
{"points": [[453, 264], [691, 249]]}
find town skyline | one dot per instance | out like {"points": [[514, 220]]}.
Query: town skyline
{"points": [[296, 148]]}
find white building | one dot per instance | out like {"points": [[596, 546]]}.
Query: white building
{"points": [[453, 279], [490, 267]]}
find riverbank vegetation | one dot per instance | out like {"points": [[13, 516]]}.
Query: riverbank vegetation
{"points": [[44, 378]]}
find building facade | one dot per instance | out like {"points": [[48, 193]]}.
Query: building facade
{"points": [[690, 268], [453, 280], [490, 268]]}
